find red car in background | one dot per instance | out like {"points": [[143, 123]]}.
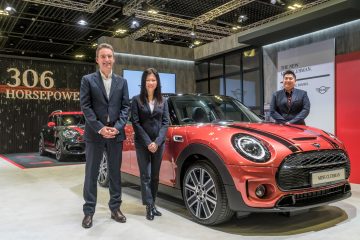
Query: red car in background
{"points": [[63, 135], [221, 158]]}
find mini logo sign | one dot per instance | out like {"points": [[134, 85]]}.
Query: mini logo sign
{"points": [[316, 145], [322, 89]]}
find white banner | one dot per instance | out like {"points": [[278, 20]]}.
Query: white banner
{"points": [[314, 66]]}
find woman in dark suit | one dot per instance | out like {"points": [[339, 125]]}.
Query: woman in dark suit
{"points": [[150, 119]]}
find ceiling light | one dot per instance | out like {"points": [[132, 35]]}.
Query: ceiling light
{"points": [[197, 42], [10, 10], [191, 45], [82, 22], [152, 11], [5, 13], [242, 18], [94, 44], [120, 31], [236, 27], [134, 24], [79, 55], [294, 6]]}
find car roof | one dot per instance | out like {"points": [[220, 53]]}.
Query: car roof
{"points": [[59, 112]]}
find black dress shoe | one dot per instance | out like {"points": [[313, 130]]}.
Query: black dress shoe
{"points": [[87, 221], [155, 211], [118, 216], [149, 212]]}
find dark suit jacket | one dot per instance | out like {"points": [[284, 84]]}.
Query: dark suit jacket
{"points": [[298, 111], [97, 107], [149, 127]]}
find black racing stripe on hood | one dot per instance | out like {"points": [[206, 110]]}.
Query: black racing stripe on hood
{"points": [[275, 137], [332, 143]]}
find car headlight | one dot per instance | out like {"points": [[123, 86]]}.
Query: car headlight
{"points": [[251, 148], [69, 133]]}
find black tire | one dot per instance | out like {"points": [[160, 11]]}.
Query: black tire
{"points": [[42, 151], [205, 197], [103, 177], [59, 152]]}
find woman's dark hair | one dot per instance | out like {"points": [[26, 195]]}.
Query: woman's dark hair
{"points": [[143, 91]]}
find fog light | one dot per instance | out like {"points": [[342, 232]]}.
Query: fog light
{"points": [[260, 191]]}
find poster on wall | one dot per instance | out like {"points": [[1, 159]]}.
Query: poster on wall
{"points": [[314, 67], [30, 89]]}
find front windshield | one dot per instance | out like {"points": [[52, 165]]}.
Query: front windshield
{"points": [[206, 109], [75, 119]]}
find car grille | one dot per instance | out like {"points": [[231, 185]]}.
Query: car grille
{"points": [[294, 171], [315, 197]]}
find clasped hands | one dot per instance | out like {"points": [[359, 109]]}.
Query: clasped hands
{"points": [[152, 147], [109, 132]]}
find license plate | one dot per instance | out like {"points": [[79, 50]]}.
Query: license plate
{"points": [[326, 177]]}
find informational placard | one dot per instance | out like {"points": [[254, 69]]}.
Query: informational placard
{"points": [[168, 82], [314, 67]]}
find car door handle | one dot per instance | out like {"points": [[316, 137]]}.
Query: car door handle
{"points": [[178, 138]]}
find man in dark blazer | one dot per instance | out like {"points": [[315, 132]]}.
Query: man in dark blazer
{"points": [[290, 105], [104, 100]]}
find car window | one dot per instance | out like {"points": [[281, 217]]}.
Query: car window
{"points": [[205, 109], [68, 120]]}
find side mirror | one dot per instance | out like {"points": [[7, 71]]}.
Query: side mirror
{"points": [[51, 124]]}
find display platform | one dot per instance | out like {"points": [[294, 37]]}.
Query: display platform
{"points": [[34, 160]]}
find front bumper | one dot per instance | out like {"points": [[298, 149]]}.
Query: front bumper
{"points": [[74, 148], [242, 197]]}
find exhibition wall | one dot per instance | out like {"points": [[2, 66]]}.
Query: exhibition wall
{"points": [[347, 107], [30, 90]]}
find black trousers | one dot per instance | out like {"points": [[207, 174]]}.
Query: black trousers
{"points": [[149, 166], [93, 154]]}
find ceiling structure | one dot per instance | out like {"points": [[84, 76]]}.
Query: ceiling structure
{"points": [[51, 29]]}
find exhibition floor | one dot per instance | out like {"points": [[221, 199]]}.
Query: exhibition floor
{"points": [[46, 203]]}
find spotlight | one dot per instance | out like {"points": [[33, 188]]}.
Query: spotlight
{"points": [[82, 22], [242, 18], [134, 24], [10, 10]]}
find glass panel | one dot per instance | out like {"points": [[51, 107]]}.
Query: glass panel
{"points": [[202, 87], [252, 88], [201, 70], [250, 59], [203, 109], [233, 86], [216, 67], [232, 63], [216, 86]]}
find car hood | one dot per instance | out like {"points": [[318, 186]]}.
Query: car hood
{"points": [[79, 129], [294, 137]]}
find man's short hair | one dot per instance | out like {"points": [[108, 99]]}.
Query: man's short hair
{"points": [[287, 72], [103, 45]]}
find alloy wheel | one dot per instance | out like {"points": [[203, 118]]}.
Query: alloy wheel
{"points": [[200, 193]]}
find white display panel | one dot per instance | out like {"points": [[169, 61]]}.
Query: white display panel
{"points": [[314, 67], [168, 82]]}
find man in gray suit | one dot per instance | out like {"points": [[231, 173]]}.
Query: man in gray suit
{"points": [[104, 100], [290, 105]]}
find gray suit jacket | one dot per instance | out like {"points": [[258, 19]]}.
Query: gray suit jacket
{"points": [[298, 111], [96, 106]]}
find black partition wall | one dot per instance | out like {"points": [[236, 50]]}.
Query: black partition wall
{"points": [[30, 89]]}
